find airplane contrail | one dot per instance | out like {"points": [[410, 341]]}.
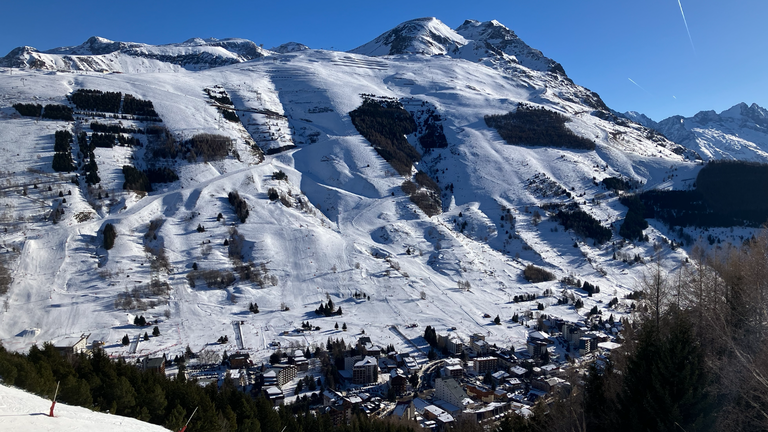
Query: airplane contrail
{"points": [[686, 26], [641, 87]]}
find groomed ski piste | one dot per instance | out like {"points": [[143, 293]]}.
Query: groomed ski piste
{"points": [[22, 411], [349, 227]]}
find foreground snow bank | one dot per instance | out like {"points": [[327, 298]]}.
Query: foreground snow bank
{"points": [[21, 411]]}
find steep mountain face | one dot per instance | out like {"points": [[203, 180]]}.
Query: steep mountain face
{"points": [[319, 212], [738, 133], [491, 38], [103, 55]]}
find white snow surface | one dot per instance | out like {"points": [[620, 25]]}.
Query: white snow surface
{"points": [[349, 226], [22, 411]]}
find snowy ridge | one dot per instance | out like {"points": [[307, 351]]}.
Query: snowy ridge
{"points": [[738, 133], [103, 55], [342, 223]]}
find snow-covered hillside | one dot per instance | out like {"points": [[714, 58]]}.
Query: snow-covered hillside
{"points": [[21, 411], [342, 225]]}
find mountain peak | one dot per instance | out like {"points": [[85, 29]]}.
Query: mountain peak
{"points": [[500, 41], [473, 40], [428, 36], [290, 47], [753, 112], [94, 45]]}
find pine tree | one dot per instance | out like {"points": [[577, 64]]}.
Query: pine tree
{"points": [[109, 236], [666, 383], [336, 327], [126, 340], [344, 327], [497, 320]]}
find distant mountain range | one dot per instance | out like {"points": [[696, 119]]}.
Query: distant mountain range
{"points": [[738, 133]]}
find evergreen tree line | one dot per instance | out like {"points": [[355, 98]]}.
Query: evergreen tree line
{"points": [[427, 197], [583, 224], [29, 110], [209, 146], [52, 111], [161, 175], [96, 100], [105, 140], [109, 102], [616, 184], [430, 131], [535, 274], [524, 298], [328, 309], [385, 123], [239, 204], [114, 129], [136, 180], [62, 158], [120, 388], [90, 168], [430, 335], [634, 222], [529, 125], [726, 194]]}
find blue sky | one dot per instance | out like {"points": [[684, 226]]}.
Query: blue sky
{"points": [[602, 44]]}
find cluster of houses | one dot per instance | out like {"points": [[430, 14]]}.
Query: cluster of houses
{"points": [[475, 380], [482, 383]]}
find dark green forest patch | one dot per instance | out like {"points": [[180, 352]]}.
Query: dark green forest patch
{"points": [[571, 217], [384, 123], [727, 193], [533, 126]]}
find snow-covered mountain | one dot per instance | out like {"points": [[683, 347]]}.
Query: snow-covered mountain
{"points": [[473, 40], [739, 133], [103, 55], [338, 223]]}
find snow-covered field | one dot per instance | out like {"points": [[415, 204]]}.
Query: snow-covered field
{"points": [[22, 411], [349, 227]]}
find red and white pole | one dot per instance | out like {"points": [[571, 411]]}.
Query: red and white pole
{"points": [[190, 419], [53, 402]]}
